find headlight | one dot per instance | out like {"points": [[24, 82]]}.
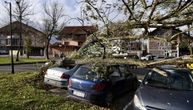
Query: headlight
{"points": [[138, 104]]}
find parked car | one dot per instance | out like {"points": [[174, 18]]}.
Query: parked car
{"points": [[101, 87], [165, 89], [59, 76], [62, 63], [147, 57]]}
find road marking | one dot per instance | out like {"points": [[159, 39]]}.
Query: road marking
{"points": [[126, 106]]}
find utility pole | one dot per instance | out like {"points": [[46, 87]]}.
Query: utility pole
{"points": [[12, 63]]}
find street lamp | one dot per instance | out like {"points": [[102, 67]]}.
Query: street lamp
{"points": [[12, 63]]}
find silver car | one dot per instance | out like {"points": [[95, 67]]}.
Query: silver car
{"points": [[59, 76]]}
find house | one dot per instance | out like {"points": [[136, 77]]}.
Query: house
{"points": [[28, 32], [163, 48], [72, 38]]}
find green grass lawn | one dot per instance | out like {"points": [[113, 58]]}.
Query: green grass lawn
{"points": [[22, 91], [7, 60]]}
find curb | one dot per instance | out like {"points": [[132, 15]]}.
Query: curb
{"points": [[22, 63]]}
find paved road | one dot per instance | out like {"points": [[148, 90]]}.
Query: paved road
{"points": [[21, 68]]}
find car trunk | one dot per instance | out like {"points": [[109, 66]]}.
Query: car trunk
{"points": [[83, 85], [55, 72]]}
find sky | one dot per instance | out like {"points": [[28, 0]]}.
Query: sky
{"points": [[71, 8]]}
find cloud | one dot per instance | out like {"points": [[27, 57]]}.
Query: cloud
{"points": [[72, 9]]}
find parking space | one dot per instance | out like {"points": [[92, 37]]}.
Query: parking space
{"points": [[120, 103]]}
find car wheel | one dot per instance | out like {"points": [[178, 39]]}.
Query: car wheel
{"points": [[109, 99]]}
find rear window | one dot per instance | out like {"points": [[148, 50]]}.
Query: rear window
{"points": [[86, 74]]}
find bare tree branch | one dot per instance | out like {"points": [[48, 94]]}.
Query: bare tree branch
{"points": [[51, 26]]}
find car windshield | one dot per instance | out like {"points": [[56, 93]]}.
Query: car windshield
{"points": [[170, 79], [86, 74]]}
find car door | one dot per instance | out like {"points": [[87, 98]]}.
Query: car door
{"points": [[117, 80], [128, 77]]}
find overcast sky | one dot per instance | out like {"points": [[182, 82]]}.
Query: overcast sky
{"points": [[72, 9]]}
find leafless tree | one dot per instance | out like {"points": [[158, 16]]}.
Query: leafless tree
{"points": [[100, 11], [21, 12], [54, 12]]}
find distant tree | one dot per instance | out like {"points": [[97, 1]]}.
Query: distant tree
{"points": [[28, 45], [54, 12], [100, 12], [21, 12]]}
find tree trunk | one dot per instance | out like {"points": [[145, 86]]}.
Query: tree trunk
{"points": [[190, 46], [17, 58], [20, 39], [27, 55], [47, 51], [178, 47]]}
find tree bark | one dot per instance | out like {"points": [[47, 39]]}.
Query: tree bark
{"points": [[190, 49], [27, 55], [20, 39], [47, 47]]}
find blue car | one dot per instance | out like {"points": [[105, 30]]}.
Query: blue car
{"points": [[103, 85]]}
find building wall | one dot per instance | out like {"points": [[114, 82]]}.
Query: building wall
{"points": [[69, 44], [160, 48], [56, 51]]}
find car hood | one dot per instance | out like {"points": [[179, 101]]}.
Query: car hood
{"points": [[158, 98]]}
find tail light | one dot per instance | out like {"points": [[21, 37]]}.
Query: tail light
{"points": [[65, 76], [100, 86]]}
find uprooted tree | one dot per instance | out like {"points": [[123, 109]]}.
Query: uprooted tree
{"points": [[141, 15]]}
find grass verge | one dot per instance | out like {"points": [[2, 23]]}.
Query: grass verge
{"points": [[22, 91]]}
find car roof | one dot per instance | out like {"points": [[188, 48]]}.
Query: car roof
{"points": [[90, 65], [171, 70], [167, 66]]}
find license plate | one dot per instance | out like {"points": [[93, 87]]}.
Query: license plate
{"points": [[80, 94]]}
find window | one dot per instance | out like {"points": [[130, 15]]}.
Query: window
{"points": [[124, 69], [2, 42], [86, 74], [179, 80]]}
